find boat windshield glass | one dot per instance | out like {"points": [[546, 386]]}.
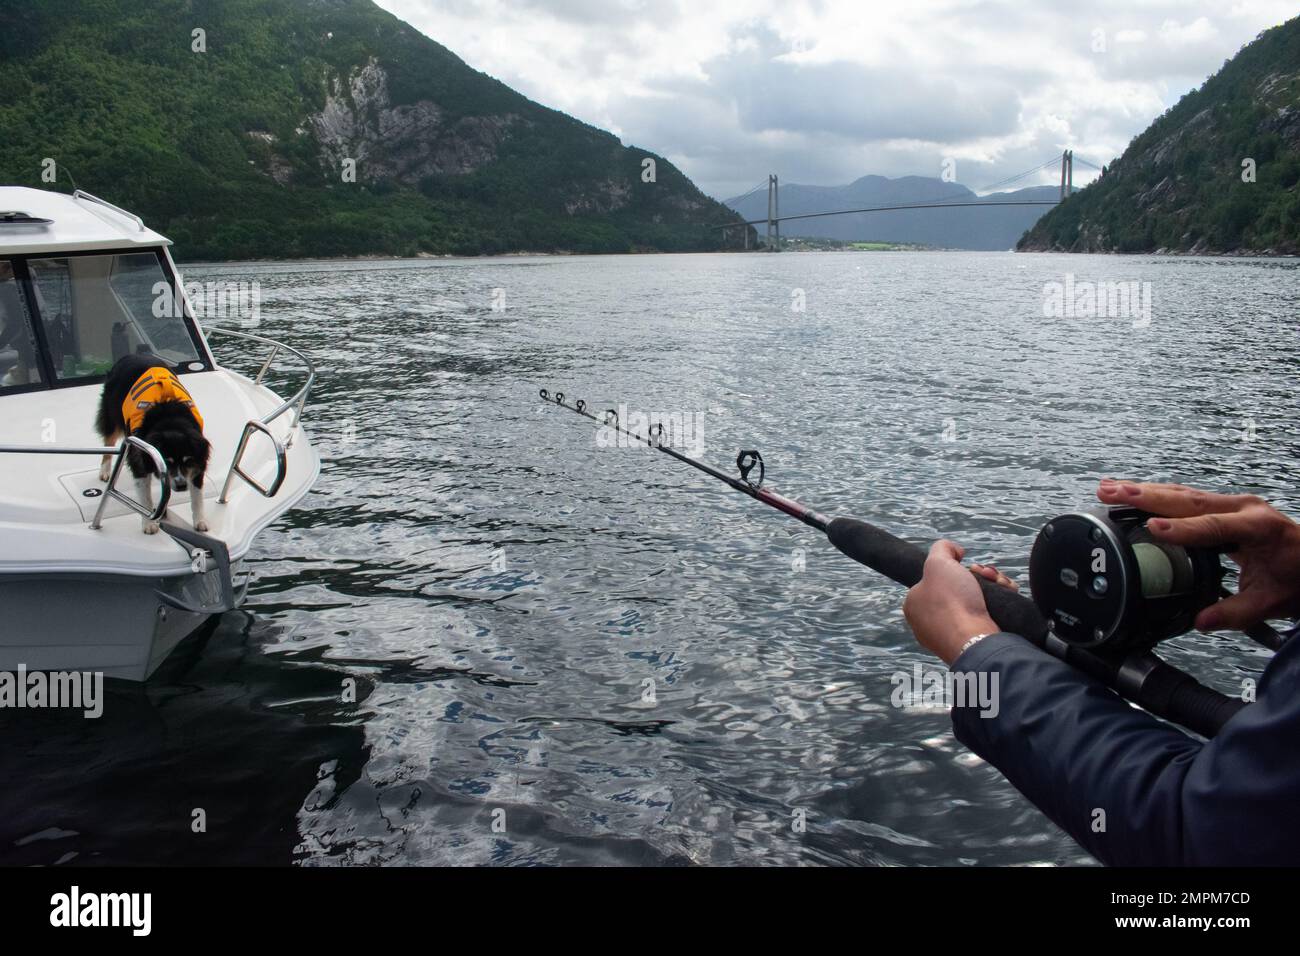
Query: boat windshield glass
{"points": [[93, 309], [19, 366]]}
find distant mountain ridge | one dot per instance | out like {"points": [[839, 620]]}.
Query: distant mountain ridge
{"points": [[239, 150], [987, 229], [1183, 184]]}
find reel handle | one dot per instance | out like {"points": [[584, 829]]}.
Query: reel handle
{"points": [[1149, 682]]}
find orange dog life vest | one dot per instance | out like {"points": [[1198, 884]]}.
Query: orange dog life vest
{"points": [[154, 386]]}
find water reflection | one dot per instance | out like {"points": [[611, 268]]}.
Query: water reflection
{"points": [[207, 763]]}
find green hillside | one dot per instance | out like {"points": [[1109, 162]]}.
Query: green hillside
{"points": [[239, 151], [1179, 185]]}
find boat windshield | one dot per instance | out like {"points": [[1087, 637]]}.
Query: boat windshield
{"points": [[81, 313], [19, 366]]}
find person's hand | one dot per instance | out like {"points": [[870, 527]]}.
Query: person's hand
{"points": [[946, 607], [1267, 545]]}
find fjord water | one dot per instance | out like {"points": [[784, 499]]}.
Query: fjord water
{"points": [[567, 653]]}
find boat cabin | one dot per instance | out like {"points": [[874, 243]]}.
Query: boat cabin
{"points": [[83, 283]]}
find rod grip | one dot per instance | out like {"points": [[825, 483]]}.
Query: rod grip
{"points": [[879, 550], [904, 562], [1164, 690]]}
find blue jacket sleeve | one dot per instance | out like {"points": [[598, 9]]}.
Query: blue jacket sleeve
{"points": [[1129, 788]]}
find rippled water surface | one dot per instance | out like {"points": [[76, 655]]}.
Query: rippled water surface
{"points": [[609, 656]]}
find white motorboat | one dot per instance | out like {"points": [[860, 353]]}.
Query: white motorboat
{"points": [[83, 282]]}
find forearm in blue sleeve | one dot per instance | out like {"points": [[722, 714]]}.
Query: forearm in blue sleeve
{"points": [[1131, 789]]}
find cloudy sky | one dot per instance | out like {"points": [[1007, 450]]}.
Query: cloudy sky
{"points": [[825, 91]]}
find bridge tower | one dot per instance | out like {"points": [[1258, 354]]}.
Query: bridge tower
{"points": [[773, 213], [776, 204], [1067, 173], [768, 242]]}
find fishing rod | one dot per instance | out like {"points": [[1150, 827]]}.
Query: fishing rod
{"points": [[1116, 651]]}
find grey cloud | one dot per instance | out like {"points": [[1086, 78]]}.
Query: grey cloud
{"points": [[698, 134], [996, 74], [607, 12], [1153, 59], [860, 102]]}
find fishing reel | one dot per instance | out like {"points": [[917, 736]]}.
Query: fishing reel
{"points": [[1104, 583]]}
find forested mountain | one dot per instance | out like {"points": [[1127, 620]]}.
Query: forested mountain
{"points": [[237, 140], [1218, 172]]}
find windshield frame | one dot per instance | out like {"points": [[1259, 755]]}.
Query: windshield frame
{"points": [[23, 276]]}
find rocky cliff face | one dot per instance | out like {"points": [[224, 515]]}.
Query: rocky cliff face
{"points": [[403, 143], [1218, 173]]}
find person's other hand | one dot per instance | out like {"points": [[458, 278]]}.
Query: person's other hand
{"points": [[946, 607], [1267, 545]]}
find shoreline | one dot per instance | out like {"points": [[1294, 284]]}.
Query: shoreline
{"points": [[507, 256], [1176, 253]]}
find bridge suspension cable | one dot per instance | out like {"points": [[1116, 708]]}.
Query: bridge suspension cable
{"points": [[923, 205], [1054, 161], [774, 218], [745, 195]]}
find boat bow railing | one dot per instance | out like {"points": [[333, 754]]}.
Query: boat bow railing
{"points": [[118, 455], [110, 490], [295, 404], [206, 554]]}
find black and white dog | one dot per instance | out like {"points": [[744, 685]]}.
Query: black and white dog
{"points": [[143, 397]]}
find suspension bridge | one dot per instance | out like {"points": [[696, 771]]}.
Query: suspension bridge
{"points": [[773, 220]]}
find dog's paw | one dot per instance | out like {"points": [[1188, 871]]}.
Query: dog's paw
{"points": [[201, 526], [151, 527], [105, 471]]}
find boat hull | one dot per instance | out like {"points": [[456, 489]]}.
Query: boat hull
{"points": [[117, 625]]}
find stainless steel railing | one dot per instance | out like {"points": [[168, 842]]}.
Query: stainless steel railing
{"points": [[207, 554], [110, 490], [91, 197], [296, 403]]}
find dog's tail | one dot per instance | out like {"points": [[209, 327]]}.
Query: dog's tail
{"points": [[104, 420]]}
